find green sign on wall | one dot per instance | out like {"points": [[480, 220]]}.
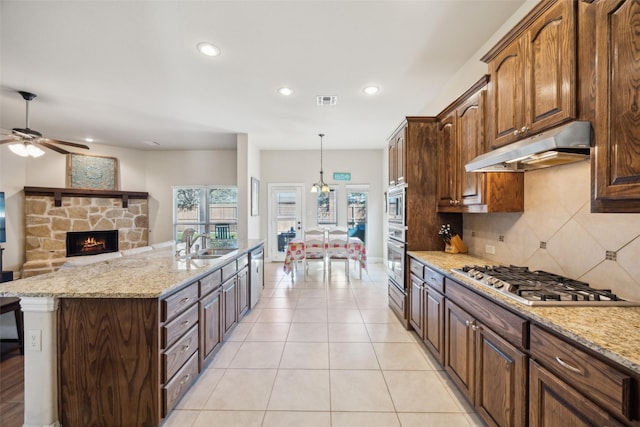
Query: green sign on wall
{"points": [[342, 176]]}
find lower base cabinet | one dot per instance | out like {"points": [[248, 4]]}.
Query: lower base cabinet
{"points": [[229, 305], [211, 334], [555, 403]]}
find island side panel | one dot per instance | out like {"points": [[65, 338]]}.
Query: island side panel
{"points": [[109, 362]]}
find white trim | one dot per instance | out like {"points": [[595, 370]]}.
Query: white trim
{"points": [[39, 304]]}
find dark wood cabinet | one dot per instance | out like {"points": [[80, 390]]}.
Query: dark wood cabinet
{"points": [[229, 302], [460, 353], [433, 303], [489, 367], [397, 158], [615, 161], [416, 299], [462, 137], [552, 402], [533, 74], [501, 377], [211, 333]]}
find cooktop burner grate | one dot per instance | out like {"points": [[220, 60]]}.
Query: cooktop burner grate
{"points": [[539, 287]]}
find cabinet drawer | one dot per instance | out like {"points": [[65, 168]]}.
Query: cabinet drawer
{"points": [[434, 279], [178, 326], [243, 261], [174, 357], [210, 282], [173, 391], [396, 299], [179, 302], [229, 270], [603, 384], [507, 324], [416, 267]]}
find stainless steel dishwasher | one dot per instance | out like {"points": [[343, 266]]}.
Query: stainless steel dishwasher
{"points": [[256, 276]]}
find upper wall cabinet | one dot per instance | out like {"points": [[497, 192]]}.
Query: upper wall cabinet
{"points": [[396, 157], [616, 160], [533, 74], [462, 137]]}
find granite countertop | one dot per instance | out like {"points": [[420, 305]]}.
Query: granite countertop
{"points": [[149, 274], [609, 331]]}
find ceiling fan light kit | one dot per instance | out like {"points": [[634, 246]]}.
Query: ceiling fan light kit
{"points": [[26, 142]]}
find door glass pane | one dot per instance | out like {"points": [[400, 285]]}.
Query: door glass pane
{"points": [[357, 214], [327, 208], [285, 210]]}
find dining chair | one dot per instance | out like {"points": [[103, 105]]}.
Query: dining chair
{"points": [[338, 248], [314, 248], [223, 231]]}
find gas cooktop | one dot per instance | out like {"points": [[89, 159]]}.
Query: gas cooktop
{"points": [[540, 288]]}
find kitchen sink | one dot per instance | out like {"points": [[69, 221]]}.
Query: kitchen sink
{"points": [[209, 253]]}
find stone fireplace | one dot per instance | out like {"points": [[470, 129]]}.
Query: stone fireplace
{"points": [[51, 213]]}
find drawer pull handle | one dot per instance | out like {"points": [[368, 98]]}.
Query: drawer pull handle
{"points": [[185, 379], [185, 348], [184, 300], [568, 366], [185, 323]]}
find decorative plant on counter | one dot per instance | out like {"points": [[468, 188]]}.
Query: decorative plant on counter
{"points": [[453, 242]]}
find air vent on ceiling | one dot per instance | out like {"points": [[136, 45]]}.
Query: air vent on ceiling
{"points": [[326, 100]]}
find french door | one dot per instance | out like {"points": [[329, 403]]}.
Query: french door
{"points": [[285, 217]]}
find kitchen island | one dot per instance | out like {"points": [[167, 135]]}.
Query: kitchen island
{"points": [[526, 365], [118, 342]]}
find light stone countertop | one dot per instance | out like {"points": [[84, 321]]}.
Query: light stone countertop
{"points": [[149, 274], [613, 332]]}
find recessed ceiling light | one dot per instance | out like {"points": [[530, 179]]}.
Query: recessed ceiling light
{"points": [[285, 91], [88, 139], [208, 49], [371, 90]]}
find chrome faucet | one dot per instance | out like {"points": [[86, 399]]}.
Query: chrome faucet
{"points": [[189, 243]]}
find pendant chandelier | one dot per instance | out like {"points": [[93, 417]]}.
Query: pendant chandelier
{"points": [[320, 185]]}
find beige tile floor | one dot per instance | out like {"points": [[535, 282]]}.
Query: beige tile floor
{"points": [[326, 354]]}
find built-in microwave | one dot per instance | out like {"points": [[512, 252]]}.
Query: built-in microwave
{"points": [[395, 204]]}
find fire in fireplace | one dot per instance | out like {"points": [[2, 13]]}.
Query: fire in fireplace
{"points": [[81, 243]]}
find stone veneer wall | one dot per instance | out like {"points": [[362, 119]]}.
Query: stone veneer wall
{"points": [[46, 226]]}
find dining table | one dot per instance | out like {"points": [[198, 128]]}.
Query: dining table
{"points": [[296, 251]]}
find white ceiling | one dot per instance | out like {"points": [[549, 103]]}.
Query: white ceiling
{"points": [[124, 72]]}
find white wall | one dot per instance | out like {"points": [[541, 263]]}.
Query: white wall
{"points": [[165, 169], [303, 166], [248, 167]]}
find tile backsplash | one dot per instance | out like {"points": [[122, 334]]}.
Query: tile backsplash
{"points": [[558, 233]]}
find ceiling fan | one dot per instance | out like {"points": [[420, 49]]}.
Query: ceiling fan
{"points": [[27, 142]]}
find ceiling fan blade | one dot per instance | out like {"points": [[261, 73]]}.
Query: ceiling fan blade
{"points": [[57, 141], [4, 141], [53, 147]]}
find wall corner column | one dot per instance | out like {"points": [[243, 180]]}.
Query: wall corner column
{"points": [[40, 362]]}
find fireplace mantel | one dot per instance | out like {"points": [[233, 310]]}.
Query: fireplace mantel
{"points": [[59, 193]]}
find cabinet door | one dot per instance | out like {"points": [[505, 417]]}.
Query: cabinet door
{"points": [[501, 378], [415, 306], [229, 304], [448, 163], [210, 312], [434, 322], [552, 402], [616, 163], [550, 68], [392, 161], [460, 348], [243, 292], [471, 140], [506, 94], [400, 161]]}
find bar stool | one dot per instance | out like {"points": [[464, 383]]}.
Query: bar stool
{"points": [[7, 305]]}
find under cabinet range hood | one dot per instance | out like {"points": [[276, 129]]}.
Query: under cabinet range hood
{"points": [[565, 144]]}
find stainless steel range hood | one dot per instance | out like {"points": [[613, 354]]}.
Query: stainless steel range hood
{"points": [[564, 144]]}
